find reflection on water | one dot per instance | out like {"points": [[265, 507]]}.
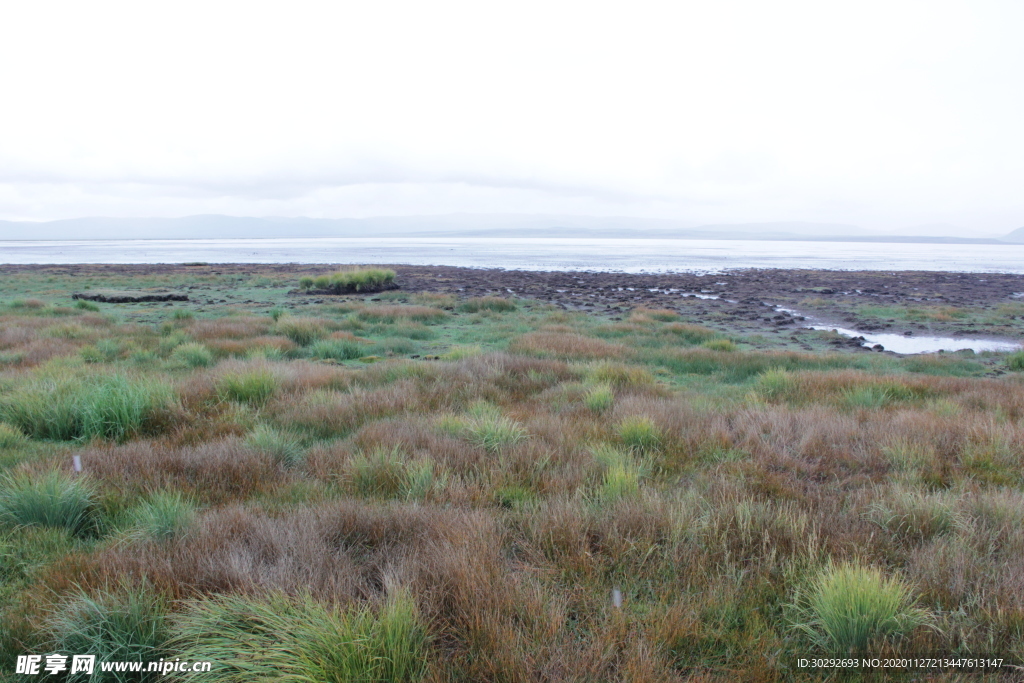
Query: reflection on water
{"points": [[899, 343]]}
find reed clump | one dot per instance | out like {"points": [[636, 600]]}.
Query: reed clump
{"points": [[351, 281]]}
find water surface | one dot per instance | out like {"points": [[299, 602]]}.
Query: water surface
{"points": [[564, 254], [899, 343]]}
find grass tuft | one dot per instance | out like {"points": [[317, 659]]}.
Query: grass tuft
{"points": [[492, 431], [775, 384], [336, 349], [850, 608], [302, 331], [10, 437], [599, 398], [112, 407], [253, 386], [381, 472], [640, 434], [1015, 361], [719, 345], [348, 281], [193, 355], [277, 637], [84, 305], [282, 447], [496, 304], [399, 313], [54, 499], [459, 352], [622, 473], [164, 517], [125, 624], [620, 375]]}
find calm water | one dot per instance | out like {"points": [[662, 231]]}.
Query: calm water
{"points": [[625, 255], [924, 344]]}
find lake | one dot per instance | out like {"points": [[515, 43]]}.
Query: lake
{"points": [[573, 254]]}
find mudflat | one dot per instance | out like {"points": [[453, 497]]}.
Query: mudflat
{"points": [[744, 301]]}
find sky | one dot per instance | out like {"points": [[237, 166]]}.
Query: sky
{"points": [[889, 115]]}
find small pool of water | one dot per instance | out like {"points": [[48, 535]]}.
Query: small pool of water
{"points": [[899, 343]]}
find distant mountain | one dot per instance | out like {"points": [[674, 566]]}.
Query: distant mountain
{"points": [[227, 227], [456, 225], [1015, 236]]}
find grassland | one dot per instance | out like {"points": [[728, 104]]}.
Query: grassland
{"points": [[441, 484]]}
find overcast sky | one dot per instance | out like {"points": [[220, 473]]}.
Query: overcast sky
{"points": [[883, 114]]}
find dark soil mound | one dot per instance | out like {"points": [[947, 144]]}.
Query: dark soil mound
{"points": [[351, 289], [129, 297]]}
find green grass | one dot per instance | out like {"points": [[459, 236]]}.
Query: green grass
{"points": [[129, 623], [336, 349], [640, 434], [302, 331], [398, 313], [283, 638], [389, 473], [458, 352], [775, 384], [282, 447], [415, 331], [114, 407], [347, 281], [912, 516], [494, 304], [1015, 361], [54, 499], [599, 398], [850, 607], [948, 365], [740, 366], [164, 517], [620, 375], [690, 334], [494, 433], [87, 305], [393, 347], [11, 437], [719, 345], [622, 474], [254, 387], [380, 473], [192, 355]]}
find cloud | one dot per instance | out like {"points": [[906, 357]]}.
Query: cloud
{"points": [[879, 114]]}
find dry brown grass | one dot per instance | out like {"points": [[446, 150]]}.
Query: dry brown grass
{"points": [[248, 346], [330, 414], [229, 328], [211, 473], [399, 313], [646, 316], [566, 346]]}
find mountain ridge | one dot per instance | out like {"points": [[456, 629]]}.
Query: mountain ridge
{"points": [[215, 226]]}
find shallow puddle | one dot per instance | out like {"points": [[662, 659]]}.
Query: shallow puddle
{"points": [[899, 343]]}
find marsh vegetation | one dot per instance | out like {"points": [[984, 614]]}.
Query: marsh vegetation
{"points": [[427, 486]]}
